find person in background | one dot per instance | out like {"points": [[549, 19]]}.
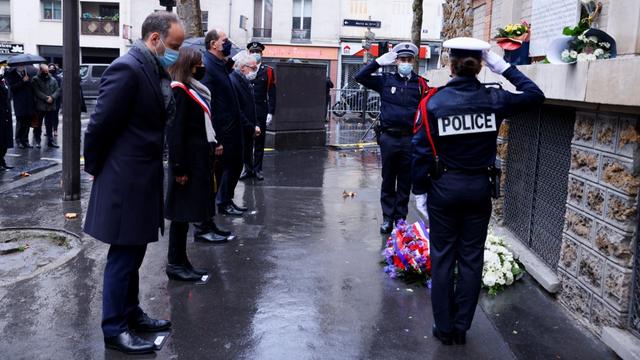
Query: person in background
{"points": [[47, 92], [226, 119], [19, 81], [246, 69], [328, 96], [264, 86], [6, 122], [54, 71], [191, 142], [123, 147]]}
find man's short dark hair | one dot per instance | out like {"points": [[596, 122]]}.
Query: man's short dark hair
{"points": [[212, 35], [160, 22]]}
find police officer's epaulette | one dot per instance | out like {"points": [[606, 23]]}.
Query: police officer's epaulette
{"points": [[496, 85]]}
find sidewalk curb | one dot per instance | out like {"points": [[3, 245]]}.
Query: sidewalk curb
{"points": [[626, 345], [29, 179]]}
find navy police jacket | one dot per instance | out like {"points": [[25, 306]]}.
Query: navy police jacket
{"points": [[464, 117], [264, 86], [399, 96]]}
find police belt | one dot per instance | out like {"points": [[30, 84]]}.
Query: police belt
{"points": [[473, 171], [397, 132]]}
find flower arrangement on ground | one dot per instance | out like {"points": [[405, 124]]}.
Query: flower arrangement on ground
{"points": [[407, 253], [586, 43], [500, 268]]}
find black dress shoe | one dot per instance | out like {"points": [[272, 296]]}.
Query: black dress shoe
{"points": [[444, 337], [246, 175], [38, 145], [129, 343], [52, 145], [219, 231], [27, 146], [259, 176], [386, 227], [195, 270], [21, 146], [239, 208], [181, 273], [229, 210], [459, 337], [146, 324], [209, 237]]}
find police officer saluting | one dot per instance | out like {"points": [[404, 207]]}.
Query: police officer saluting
{"points": [[453, 161], [264, 89], [400, 94]]}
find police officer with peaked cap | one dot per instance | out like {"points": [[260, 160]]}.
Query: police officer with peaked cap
{"points": [[264, 88], [400, 94], [453, 161]]}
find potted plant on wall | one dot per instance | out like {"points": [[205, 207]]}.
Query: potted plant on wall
{"points": [[583, 42], [514, 39]]}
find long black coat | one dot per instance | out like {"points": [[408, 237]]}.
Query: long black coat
{"points": [[6, 123], [123, 149], [189, 154], [22, 93], [244, 94]]}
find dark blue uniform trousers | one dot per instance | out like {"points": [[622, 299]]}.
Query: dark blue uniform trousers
{"points": [[228, 172], [459, 212], [396, 176], [120, 303]]}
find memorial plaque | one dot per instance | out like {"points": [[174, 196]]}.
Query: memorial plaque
{"points": [[548, 18]]}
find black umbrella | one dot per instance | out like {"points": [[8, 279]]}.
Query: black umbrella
{"points": [[26, 59], [198, 43]]}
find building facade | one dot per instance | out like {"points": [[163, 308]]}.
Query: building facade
{"points": [[572, 167]]}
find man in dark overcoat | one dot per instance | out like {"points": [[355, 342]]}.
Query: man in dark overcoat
{"points": [[19, 81], [123, 150], [6, 123]]}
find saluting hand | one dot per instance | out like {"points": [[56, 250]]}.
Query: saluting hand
{"points": [[494, 62], [387, 59]]}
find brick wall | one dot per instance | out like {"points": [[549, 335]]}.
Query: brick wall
{"points": [[601, 219]]}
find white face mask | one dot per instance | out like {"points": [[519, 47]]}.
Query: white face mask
{"points": [[251, 76]]}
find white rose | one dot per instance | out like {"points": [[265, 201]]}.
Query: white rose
{"points": [[598, 52], [591, 57], [573, 54], [593, 39], [582, 57]]}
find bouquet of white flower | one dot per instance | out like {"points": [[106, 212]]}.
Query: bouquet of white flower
{"points": [[500, 268]]}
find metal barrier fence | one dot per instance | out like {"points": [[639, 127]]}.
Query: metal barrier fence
{"points": [[351, 114]]}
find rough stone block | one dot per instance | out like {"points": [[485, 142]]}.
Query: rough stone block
{"points": [[614, 244], [591, 270], [502, 150], [584, 128], [606, 132], [575, 297], [622, 211], [584, 163], [604, 315], [595, 199], [578, 224], [617, 286], [569, 255], [503, 132], [575, 191], [629, 136], [620, 175]]}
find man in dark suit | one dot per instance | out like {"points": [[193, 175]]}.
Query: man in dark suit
{"points": [[226, 119], [123, 150], [264, 85], [19, 81], [246, 69]]}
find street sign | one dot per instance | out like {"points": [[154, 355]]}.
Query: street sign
{"points": [[362, 23], [7, 48]]}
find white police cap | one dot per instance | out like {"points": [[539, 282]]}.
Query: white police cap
{"points": [[466, 46], [406, 49]]}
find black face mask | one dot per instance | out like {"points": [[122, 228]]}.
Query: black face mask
{"points": [[226, 48], [44, 75], [199, 74]]}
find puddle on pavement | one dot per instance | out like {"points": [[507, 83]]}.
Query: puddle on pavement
{"points": [[36, 249]]}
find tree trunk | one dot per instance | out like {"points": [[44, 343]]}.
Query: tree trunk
{"points": [[416, 30], [190, 14]]}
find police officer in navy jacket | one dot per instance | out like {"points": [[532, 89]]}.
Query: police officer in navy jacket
{"points": [[123, 147], [454, 166], [400, 94]]}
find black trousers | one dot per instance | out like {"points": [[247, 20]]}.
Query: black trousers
{"points": [[49, 118], [3, 152], [459, 212], [258, 151], [177, 254], [247, 150], [396, 176], [120, 304], [228, 174], [23, 123]]}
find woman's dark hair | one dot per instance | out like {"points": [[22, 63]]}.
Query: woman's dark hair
{"points": [[466, 66], [187, 59]]}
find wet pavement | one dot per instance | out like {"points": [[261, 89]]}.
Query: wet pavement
{"points": [[302, 280]]}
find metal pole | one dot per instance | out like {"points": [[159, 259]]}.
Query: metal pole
{"points": [[71, 102]]}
